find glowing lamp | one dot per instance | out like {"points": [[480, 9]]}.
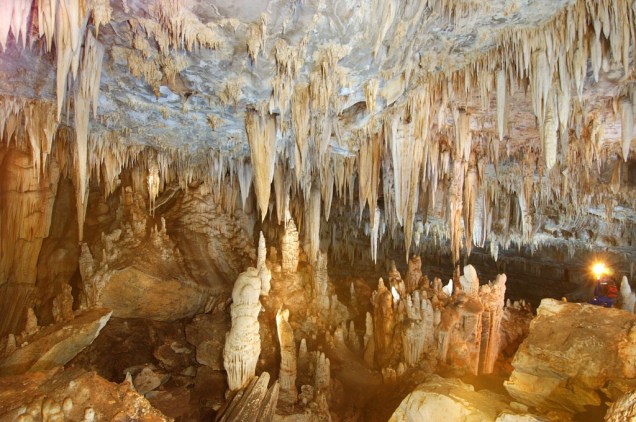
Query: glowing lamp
{"points": [[599, 269]]}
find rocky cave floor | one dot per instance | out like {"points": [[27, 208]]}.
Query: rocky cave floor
{"points": [[178, 366]]}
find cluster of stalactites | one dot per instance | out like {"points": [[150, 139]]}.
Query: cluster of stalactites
{"points": [[421, 140]]}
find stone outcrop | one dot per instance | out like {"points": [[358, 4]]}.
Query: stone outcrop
{"points": [[56, 344], [216, 242], [73, 395], [139, 274], [572, 352], [133, 293], [441, 399]]}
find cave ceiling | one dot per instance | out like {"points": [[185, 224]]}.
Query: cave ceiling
{"points": [[382, 102]]}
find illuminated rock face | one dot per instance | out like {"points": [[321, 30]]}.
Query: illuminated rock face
{"points": [[573, 347]]}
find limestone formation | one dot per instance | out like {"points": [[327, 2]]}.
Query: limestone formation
{"points": [[243, 343], [288, 367], [413, 274], [493, 298], [570, 348], [56, 344], [383, 323], [290, 247], [628, 297], [451, 399], [148, 149]]}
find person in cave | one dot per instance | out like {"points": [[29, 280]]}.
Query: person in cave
{"points": [[605, 292]]}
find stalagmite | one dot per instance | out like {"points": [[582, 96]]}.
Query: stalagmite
{"points": [[493, 298], [289, 246], [628, 297], [413, 274], [469, 281], [417, 335], [243, 342], [322, 378], [369, 341], [383, 320], [287, 374]]}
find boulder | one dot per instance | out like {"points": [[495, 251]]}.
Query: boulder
{"points": [[56, 344], [441, 399], [207, 333], [572, 351], [132, 293]]}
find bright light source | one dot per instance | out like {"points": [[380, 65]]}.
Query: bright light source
{"points": [[599, 269]]}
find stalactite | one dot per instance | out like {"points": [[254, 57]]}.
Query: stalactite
{"points": [[549, 134], [470, 199], [261, 135], [245, 180], [370, 94], [87, 92], [455, 208], [627, 126], [501, 103], [313, 224]]}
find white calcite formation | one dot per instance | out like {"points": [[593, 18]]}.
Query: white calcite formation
{"points": [[243, 342], [463, 331], [288, 367], [290, 247], [432, 130], [418, 329], [628, 297]]}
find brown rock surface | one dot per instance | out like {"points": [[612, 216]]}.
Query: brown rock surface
{"points": [[207, 334], [132, 293], [57, 344], [72, 394], [572, 351]]}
